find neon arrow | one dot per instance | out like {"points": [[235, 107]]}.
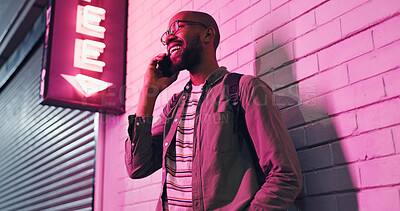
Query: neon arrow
{"points": [[86, 85]]}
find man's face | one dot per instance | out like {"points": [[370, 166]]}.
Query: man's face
{"points": [[185, 47]]}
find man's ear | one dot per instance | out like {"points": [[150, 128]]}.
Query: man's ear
{"points": [[210, 34]]}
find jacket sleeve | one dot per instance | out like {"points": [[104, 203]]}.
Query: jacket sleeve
{"points": [[143, 148], [273, 145]]}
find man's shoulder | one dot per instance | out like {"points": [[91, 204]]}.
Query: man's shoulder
{"points": [[250, 81]]}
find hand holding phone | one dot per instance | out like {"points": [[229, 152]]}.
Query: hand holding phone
{"points": [[165, 66]]}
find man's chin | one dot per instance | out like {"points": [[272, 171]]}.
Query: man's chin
{"points": [[177, 65], [174, 69]]}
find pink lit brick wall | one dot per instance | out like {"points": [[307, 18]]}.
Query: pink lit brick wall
{"points": [[334, 66]]}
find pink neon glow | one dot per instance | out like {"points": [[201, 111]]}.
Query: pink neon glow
{"points": [[86, 85], [88, 21], [87, 53], [92, 17], [91, 51], [42, 80], [342, 76]]}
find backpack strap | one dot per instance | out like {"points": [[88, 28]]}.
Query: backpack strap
{"points": [[232, 85], [232, 88]]}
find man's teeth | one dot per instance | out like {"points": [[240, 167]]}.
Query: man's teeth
{"points": [[174, 48]]}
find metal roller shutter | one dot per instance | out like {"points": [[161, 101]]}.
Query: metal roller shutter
{"points": [[46, 153]]}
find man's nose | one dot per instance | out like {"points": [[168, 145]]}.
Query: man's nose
{"points": [[169, 38]]}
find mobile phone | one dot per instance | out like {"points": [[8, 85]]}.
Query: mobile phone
{"points": [[165, 66]]}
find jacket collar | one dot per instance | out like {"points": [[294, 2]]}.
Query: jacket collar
{"points": [[212, 79], [216, 75]]}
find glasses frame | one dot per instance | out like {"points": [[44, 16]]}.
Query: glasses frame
{"points": [[176, 25]]}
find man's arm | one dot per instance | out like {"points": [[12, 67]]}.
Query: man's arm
{"points": [[143, 150], [274, 147]]}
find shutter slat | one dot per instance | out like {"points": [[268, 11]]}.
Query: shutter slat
{"points": [[46, 153]]}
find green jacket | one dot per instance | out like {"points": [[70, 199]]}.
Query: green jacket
{"points": [[228, 172]]}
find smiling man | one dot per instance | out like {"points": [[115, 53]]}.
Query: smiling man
{"points": [[214, 154]]}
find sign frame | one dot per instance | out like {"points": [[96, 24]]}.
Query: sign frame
{"points": [[68, 85]]}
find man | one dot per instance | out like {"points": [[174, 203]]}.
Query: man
{"points": [[211, 157]]}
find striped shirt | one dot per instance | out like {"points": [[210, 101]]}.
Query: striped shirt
{"points": [[179, 159]]}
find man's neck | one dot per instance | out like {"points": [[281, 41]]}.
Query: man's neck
{"points": [[200, 73]]}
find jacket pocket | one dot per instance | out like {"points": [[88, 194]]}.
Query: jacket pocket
{"points": [[217, 131]]}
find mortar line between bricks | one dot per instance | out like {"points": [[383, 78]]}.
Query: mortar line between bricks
{"points": [[390, 43], [348, 74], [325, 94], [249, 25], [353, 135], [270, 5], [328, 45], [381, 187], [373, 103], [373, 40], [331, 151], [158, 184], [378, 129], [309, 10], [393, 140], [356, 190], [356, 119], [296, 82], [330, 193], [368, 27], [240, 12], [300, 149], [254, 21], [270, 32], [299, 58], [319, 119], [384, 87], [318, 145], [278, 6], [325, 70], [348, 164], [362, 80], [136, 203], [381, 73], [244, 64]]}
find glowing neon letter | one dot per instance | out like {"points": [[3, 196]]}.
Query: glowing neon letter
{"points": [[87, 54], [91, 51], [88, 20], [92, 17]]}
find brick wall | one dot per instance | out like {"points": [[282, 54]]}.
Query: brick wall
{"points": [[334, 67]]}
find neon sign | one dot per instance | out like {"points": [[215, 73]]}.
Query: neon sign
{"points": [[87, 51], [84, 59]]}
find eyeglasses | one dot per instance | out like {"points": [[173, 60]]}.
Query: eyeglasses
{"points": [[174, 27]]}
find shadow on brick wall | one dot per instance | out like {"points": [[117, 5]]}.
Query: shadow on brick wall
{"points": [[327, 182]]}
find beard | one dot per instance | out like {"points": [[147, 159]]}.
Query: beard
{"points": [[190, 56]]}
